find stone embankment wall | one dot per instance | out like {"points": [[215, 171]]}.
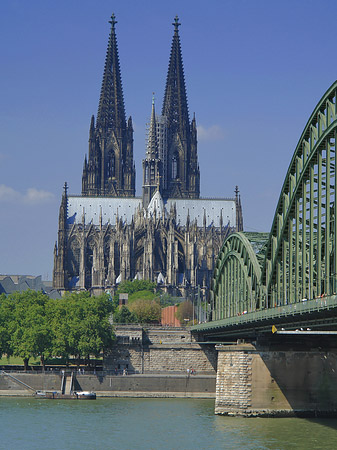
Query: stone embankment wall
{"points": [[161, 358], [183, 386], [9, 386], [159, 350], [156, 359], [264, 382]]}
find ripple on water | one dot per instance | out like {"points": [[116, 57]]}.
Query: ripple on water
{"points": [[151, 424]]}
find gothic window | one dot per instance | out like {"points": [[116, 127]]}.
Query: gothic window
{"points": [[89, 261], [175, 166], [152, 174], [74, 258], [181, 258], [111, 164], [107, 254], [146, 174]]}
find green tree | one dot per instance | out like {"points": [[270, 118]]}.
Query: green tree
{"points": [[59, 319], [96, 333], [144, 295], [80, 325], [29, 330], [147, 311], [124, 315], [5, 318], [167, 300], [130, 287], [185, 311]]}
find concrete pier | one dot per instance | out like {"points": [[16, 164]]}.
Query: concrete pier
{"points": [[283, 382]]}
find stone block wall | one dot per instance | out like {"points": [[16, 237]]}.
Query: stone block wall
{"points": [[128, 333], [179, 358], [163, 335], [262, 382], [233, 384], [161, 350], [161, 358]]}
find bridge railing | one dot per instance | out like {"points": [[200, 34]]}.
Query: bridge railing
{"points": [[293, 309]]}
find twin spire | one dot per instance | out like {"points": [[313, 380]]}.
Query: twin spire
{"points": [[111, 112], [109, 170], [175, 98]]}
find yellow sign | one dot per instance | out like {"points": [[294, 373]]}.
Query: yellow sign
{"points": [[273, 329]]}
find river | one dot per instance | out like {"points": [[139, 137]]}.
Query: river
{"points": [[151, 424]]}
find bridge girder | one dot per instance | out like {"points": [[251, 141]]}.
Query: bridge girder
{"points": [[300, 260]]}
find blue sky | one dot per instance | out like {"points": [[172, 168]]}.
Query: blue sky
{"points": [[254, 72]]}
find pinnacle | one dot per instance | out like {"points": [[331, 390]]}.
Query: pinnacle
{"points": [[113, 21], [176, 23]]}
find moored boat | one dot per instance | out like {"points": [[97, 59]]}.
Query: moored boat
{"points": [[55, 395]]}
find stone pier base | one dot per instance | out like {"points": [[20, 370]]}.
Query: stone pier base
{"points": [[253, 382]]}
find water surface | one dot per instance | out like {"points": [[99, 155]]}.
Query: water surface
{"points": [[151, 424]]}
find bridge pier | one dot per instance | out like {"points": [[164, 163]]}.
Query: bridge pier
{"points": [[253, 381]]}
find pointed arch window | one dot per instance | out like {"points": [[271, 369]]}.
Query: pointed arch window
{"points": [[175, 166], [111, 164]]}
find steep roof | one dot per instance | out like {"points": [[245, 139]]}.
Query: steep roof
{"points": [[125, 209]]}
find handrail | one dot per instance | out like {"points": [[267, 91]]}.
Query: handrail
{"points": [[63, 382], [293, 309], [17, 380]]}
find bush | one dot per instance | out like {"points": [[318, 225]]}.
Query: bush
{"points": [[130, 287], [147, 311], [185, 311]]}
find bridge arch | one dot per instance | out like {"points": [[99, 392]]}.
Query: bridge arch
{"points": [[299, 261], [237, 261]]}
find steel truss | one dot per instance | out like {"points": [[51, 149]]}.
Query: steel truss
{"points": [[300, 259]]}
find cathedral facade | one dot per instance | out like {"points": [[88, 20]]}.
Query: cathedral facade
{"points": [[169, 235]]}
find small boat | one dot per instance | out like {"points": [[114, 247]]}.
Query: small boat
{"points": [[55, 395], [85, 395], [67, 391]]}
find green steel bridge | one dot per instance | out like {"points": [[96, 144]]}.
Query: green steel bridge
{"points": [[286, 278]]}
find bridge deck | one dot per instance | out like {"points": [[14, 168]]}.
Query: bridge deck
{"points": [[320, 312]]}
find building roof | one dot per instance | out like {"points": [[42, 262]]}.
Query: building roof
{"points": [[19, 283], [198, 208], [112, 207]]}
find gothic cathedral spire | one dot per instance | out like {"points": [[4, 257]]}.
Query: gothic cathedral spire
{"points": [[183, 176], [152, 165], [110, 169]]}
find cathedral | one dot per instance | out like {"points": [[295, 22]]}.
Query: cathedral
{"points": [[170, 235]]}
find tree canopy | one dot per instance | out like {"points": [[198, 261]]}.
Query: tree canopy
{"points": [[32, 325], [146, 311], [124, 315], [185, 312], [132, 287]]}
